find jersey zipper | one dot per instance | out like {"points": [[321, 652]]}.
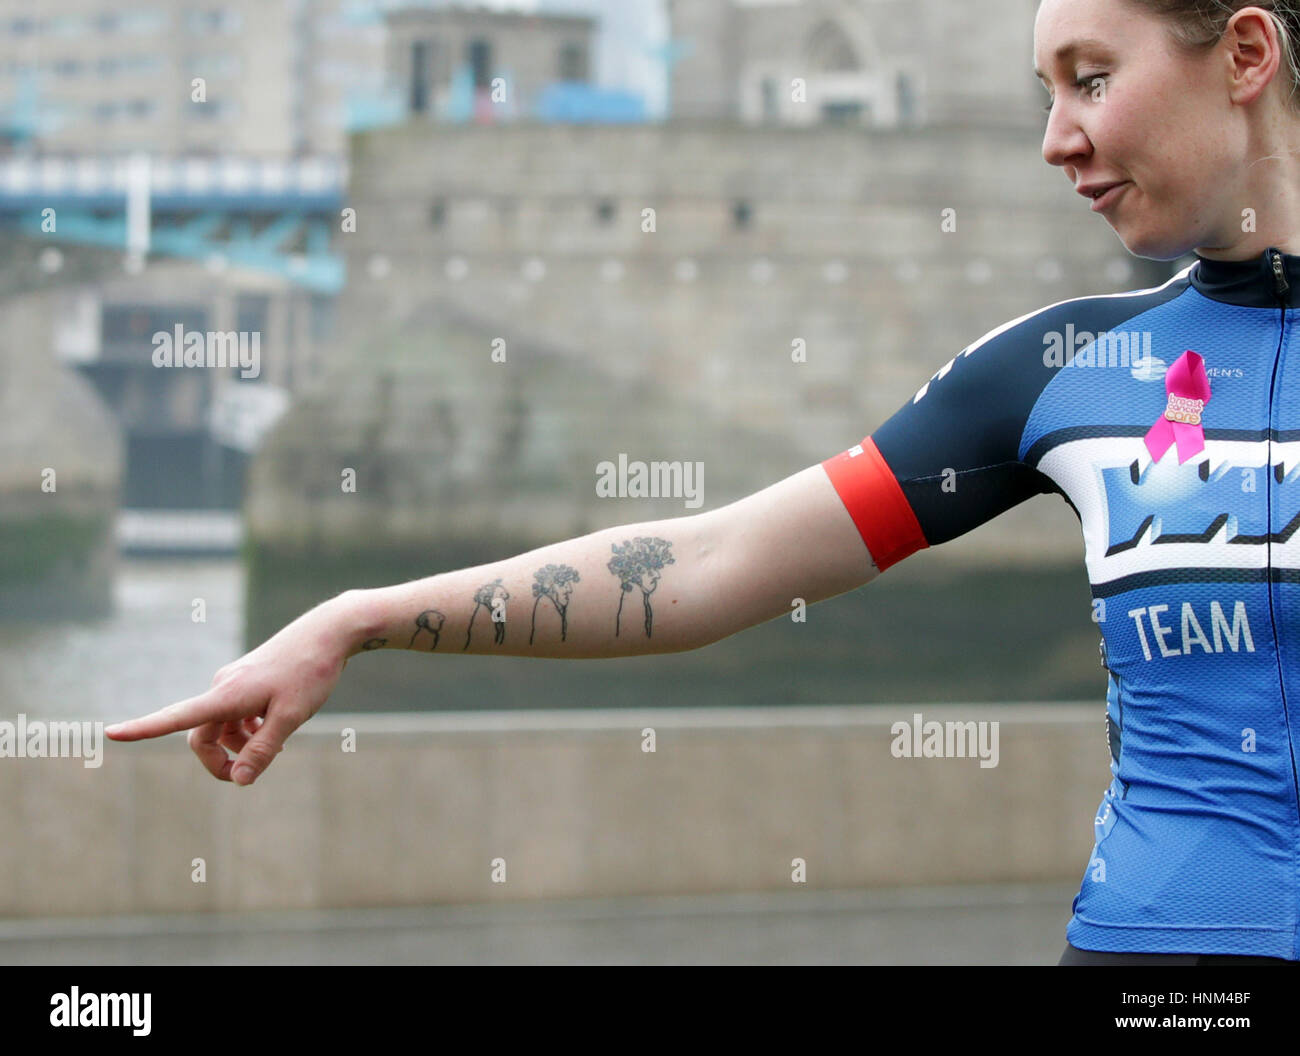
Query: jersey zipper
{"points": [[1282, 289], [1280, 286]]}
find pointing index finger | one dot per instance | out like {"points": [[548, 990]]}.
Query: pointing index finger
{"points": [[194, 711]]}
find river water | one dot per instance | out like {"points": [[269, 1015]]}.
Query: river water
{"points": [[1000, 638], [150, 652]]}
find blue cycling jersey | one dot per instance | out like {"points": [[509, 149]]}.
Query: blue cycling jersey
{"points": [[1194, 563]]}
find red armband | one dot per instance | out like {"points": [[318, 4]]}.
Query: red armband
{"points": [[872, 495]]}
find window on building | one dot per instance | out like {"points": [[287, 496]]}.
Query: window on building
{"points": [[141, 109], [771, 102], [215, 20], [252, 310], [742, 214], [573, 61], [419, 101], [320, 317], [907, 108], [438, 212], [605, 211], [848, 112], [478, 53], [214, 110], [131, 64]]}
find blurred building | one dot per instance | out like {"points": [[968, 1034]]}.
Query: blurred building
{"points": [[225, 126], [457, 61], [171, 77], [207, 142], [288, 78], [871, 63]]}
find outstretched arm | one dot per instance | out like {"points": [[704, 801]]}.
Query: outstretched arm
{"points": [[657, 586]]}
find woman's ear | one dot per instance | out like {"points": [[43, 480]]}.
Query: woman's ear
{"points": [[1253, 54]]}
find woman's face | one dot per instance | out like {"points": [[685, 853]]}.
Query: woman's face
{"points": [[1131, 108]]}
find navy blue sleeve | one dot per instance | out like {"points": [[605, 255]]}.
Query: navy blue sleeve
{"points": [[954, 447], [950, 458]]}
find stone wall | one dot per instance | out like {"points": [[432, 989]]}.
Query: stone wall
{"points": [[57, 545], [568, 800], [671, 344]]}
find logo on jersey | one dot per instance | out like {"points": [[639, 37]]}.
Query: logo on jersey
{"points": [[1189, 503], [1151, 369]]}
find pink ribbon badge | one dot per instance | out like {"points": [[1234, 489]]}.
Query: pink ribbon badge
{"points": [[1188, 388]]}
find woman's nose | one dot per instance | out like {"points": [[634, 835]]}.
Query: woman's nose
{"points": [[1063, 139]]}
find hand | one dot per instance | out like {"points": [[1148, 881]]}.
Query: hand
{"points": [[258, 700]]}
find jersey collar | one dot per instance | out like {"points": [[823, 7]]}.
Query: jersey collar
{"points": [[1249, 283]]}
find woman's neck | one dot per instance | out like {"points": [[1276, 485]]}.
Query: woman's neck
{"points": [[1266, 213]]}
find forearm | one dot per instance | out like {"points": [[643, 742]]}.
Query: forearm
{"points": [[627, 590]]}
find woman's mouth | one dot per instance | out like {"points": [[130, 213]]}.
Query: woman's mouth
{"points": [[1104, 197]]}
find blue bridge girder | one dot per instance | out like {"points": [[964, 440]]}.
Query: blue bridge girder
{"points": [[275, 217]]}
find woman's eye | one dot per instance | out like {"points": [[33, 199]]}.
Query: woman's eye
{"points": [[1092, 82]]}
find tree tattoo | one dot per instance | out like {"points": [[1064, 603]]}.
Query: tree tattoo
{"points": [[485, 597], [430, 620], [638, 563], [554, 582]]}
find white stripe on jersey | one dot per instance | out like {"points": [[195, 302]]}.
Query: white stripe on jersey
{"points": [[1038, 311], [1077, 464]]}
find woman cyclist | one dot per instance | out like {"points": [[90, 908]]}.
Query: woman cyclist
{"points": [[1179, 121]]}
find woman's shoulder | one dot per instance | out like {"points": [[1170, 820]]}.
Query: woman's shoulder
{"points": [[1070, 324]]}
